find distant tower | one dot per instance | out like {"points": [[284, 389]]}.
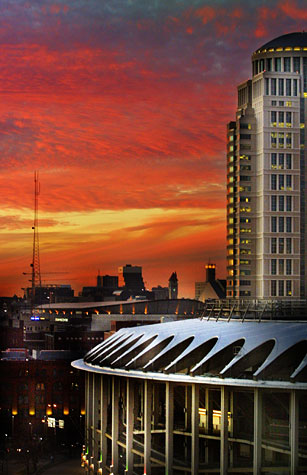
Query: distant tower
{"points": [[173, 286], [36, 272], [99, 279], [210, 272]]}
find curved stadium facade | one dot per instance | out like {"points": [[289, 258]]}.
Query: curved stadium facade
{"points": [[198, 396]]}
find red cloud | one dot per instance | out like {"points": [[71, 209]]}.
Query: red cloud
{"points": [[293, 11]]}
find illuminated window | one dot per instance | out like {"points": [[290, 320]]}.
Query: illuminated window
{"points": [[273, 160], [273, 118], [288, 287], [281, 119], [281, 140], [289, 103], [273, 139], [281, 182], [281, 161]]}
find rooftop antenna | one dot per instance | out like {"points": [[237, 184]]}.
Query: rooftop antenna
{"points": [[36, 272]]}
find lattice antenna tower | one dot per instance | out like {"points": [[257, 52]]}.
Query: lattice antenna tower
{"points": [[36, 272]]}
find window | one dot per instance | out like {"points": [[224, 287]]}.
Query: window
{"points": [[289, 119], [289, 182], [288, 140], [273, 103], [277, 63], [273, 87], [281, 140], [273, 182], [281, 182], [245, 261], [287, 64], [245, 136], [273, 139], [288, 87], [273, 266], [273, 160], [281, 224], [269, 64], [281, 203], [288, 224], [273, 245], [245, 282], [297, 64], [281, 103], [273, 203], [281, 267], [281, 245], [281, 161], [267, 90], [273, 118], [273, 288], [273, 224], [280, 288], [288, 161], [280, 87], [288, 287], [245, 178], [288, 245], [288, 266], [295, 88], [281, 119]]}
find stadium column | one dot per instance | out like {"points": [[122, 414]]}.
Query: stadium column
{"points": [[115, 414], [257, 431], [96, 397], [169, 427], [103, 420], [195, 429], [147, 425], [224, 430], [130, 421], [294, 409]]}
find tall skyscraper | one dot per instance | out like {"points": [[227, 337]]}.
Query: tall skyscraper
{"points": [[266, 176]]}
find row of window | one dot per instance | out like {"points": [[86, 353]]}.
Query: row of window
{"points": [[282, 103], [283, 245], [284, 224], [281, 143], [286, 64], [281, 203], [284, 161], [278, 182], [281, 119], [281, 87], [281, 288], [283, 265]]}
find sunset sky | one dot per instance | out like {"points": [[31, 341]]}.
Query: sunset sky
{"points": [[122, 106]]}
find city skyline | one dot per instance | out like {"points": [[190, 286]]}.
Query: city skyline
{"points": [[122, 107]]}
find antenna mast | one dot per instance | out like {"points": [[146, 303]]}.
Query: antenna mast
{"points": [[36, 272]]}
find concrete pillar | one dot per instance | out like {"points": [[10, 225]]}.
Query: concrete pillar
{"points": [[224, 430], [95, 419], [208, 425], [130, 421], [257, 431], [294, 435], [147, 425], [232, 421], [169, 427], [195, 429], [115, 411], [103, 419]]}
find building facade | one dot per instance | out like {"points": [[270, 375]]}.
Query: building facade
{"points": [[266, 176], [197, 396]]}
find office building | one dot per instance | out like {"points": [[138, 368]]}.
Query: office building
{"points": [[130, 278], [266, 176]]}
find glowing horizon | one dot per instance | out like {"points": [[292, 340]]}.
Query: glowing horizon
{"points": [[122, 107]]}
